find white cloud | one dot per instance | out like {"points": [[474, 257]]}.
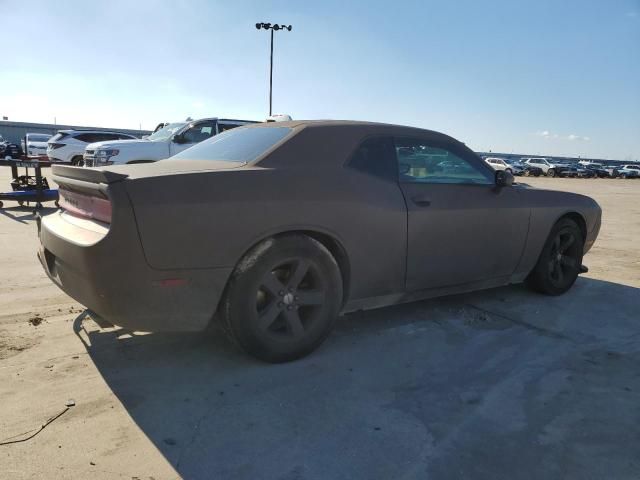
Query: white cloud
{"points": [[572, 137]]}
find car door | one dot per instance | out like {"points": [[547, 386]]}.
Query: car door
{"points": [[461, 227], [195, 133]]}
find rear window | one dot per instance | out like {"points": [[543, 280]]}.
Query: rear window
{"points": [[237, 145], [38, 137]]}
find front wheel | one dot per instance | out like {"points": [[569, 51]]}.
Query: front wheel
{"points": [[283, 298], [560, 260], [551, 172]]}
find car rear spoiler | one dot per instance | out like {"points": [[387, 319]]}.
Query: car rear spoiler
{"points": [[89, 175]]}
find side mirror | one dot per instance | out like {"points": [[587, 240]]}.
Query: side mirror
{"points": [[178, 138], [504, 178]]}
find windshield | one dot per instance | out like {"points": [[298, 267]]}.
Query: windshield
{"points": [[166, 132], [236, 145], [35, 137]]}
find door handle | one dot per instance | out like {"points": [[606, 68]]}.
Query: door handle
{"points": [[421, 201]]}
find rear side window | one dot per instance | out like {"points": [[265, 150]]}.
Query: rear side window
{"points": [[237, 145], [376, 156]]}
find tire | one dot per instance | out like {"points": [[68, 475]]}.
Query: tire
{"points": [[508, 170], [623, 175], [560, 261], [21, 202], [77, 161], [527, 173], [536, 174], [551, 173], [291, 285]]}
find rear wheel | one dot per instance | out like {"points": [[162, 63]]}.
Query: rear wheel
{"points": [[283, 298], [551, 172], [560, 260]]}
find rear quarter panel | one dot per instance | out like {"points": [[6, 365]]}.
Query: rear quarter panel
{"points": [[210, 219]]}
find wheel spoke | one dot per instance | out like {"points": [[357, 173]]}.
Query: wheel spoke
{"points": [[310, 297], [293, 321], [560, 276], [300, 271], [271, 283], [268, 316], [567, 243], [567, 261]]}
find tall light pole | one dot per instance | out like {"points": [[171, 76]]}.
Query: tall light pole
{"points": [[274, 27]]}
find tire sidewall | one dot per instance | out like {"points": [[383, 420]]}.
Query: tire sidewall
{"points": [[539, 278], [240, 299]]}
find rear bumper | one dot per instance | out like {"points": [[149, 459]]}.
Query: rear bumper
{"points": [[109, 275]]}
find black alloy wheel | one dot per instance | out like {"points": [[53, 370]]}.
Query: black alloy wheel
{"points": [[283, 298], [560, 261], [289, 298]]}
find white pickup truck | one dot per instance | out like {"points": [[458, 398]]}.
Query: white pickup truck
{"points": [[164, 143]]}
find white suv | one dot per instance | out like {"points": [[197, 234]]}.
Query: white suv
{"points": [[498, 163], [166, 142], [548, 168], [68, 145], [36, 144], [629, 171]]}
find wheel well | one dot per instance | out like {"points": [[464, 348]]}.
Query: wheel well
{"points": [[576, 217], [339, 254], [335, 249]]}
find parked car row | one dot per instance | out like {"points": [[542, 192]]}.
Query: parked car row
{"points": [[165, 142], [537, 166]]}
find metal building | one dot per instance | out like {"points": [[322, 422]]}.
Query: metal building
{"points": [[15, 131]]}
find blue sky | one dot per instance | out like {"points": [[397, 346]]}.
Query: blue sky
{"points": [[548, 77]]}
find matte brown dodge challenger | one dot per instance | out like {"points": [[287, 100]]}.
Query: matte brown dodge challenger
{"points": [[277, 228]]}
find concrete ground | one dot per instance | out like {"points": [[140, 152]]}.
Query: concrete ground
{"points": [[502, 384]]}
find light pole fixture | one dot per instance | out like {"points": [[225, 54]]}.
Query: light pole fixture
{"points": [[274, 27]]}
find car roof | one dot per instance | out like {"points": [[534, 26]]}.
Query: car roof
{"points": [[69, 132], [366, 127]]}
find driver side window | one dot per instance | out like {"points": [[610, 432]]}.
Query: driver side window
{"points": [[199, 132], [421, 162]]}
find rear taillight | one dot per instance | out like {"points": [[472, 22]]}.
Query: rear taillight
{"points": [[86, 206], [53, 146]]}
